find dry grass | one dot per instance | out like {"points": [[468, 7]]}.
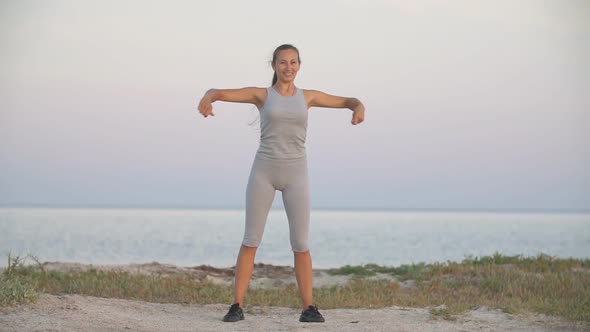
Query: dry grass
{"points": [[514, 284], [13, 287], [511, 283]]}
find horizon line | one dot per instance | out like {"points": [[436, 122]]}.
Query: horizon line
{"points": [[320, 208]]}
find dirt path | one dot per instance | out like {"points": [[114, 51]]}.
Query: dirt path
{"points": [[85, 313]]}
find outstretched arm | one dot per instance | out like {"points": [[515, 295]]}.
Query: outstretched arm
{"points": [[320, 99], [248, 95]]}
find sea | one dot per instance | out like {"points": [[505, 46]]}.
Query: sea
{"points": [[190, 237]]}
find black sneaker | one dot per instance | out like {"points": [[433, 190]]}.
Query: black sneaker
{"points": [[234, 314], [311, 315]]}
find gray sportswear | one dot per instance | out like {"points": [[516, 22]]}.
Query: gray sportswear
{"points": [[280, 164]]}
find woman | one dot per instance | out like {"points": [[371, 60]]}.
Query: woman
{"points": [[280, 164]]}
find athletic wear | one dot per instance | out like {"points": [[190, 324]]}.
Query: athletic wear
{"points": [[290, 177], [280, 164], [234, 314], [311, 315], [283, 126]]}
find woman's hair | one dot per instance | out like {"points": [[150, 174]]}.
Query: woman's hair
{"points": [[276, 54]]}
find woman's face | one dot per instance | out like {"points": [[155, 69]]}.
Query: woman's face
{"points": [[286, 66]]}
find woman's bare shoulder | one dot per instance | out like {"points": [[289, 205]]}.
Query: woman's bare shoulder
{"points": [[310, 95], [261, 95]]}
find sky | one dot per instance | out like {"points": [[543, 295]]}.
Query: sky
{"points": [[469, 104]]}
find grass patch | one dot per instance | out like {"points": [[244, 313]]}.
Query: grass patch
{"points": [[442, 312], [13, 288], [403, 272], [512, 284]]}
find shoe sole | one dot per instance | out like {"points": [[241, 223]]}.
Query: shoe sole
{"points": [[232, 320], [312, 321]]}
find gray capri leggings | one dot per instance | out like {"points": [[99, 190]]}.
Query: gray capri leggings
{"points": [[266, 177]]}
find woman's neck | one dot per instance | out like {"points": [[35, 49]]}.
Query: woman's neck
{"points": [[285, 89]]}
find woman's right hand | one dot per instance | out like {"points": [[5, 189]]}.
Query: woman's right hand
{"points": [[205, 107]]}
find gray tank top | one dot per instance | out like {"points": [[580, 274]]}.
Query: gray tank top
{"points": [[283, 126]]}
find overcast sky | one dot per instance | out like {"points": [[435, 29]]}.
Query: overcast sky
{"points": [[469, 104]]}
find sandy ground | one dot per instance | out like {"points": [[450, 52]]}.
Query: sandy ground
{"points": [[85, 313], [82, 313]]}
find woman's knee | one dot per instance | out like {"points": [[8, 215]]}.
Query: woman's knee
{"points": [[299, 246], [248, 250], [301, 253], [250, 243]]}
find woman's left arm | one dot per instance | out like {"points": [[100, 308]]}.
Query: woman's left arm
{"points": [[321, 99]]}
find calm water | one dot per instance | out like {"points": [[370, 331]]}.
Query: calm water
{"points": [[194, 237]]}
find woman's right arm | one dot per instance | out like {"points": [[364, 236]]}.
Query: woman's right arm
{"points": [[249, 95]]}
